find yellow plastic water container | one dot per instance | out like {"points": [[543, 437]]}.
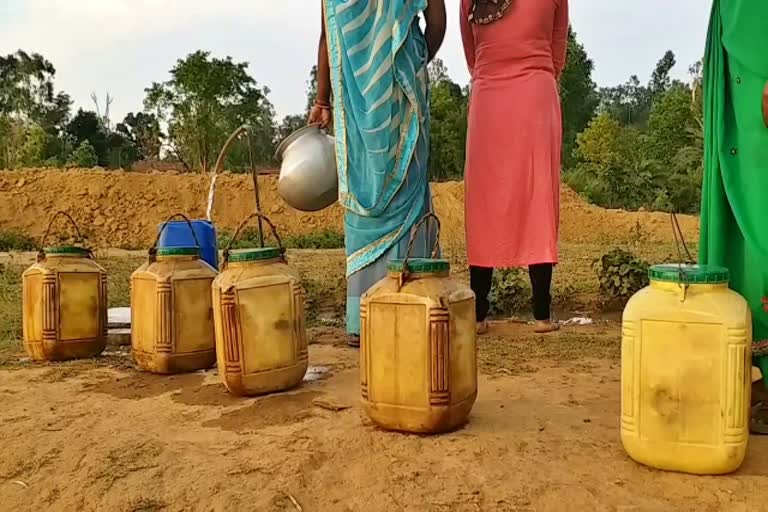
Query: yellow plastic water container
{"points": [[686, 372], [418, 354], [171, 310], [258, 311], [64, 303]]}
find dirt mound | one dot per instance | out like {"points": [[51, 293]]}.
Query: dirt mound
{"points": [[122, 209]]}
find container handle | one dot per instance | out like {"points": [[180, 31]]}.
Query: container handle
{"points": [[677, 232], [261, 217], [152, 253], [435, 248], [80, 239]]}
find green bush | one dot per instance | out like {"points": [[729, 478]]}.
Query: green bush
{"points": [[16, 241], [511, 292], [84, 156], [249, 237], [621, 274], [324, 239]]}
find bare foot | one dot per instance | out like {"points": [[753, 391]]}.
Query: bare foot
{"points": [[545, 326], [482, 327], [353, 340]]}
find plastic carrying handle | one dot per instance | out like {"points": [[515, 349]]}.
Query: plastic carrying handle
{"points": [[252, 216], [435, 248], [79, 239], [152, 253]]}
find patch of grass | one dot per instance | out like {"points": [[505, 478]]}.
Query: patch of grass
{"points": [[249, 237], [119, 272], [324, 239], [16, 241], [10, 305]]}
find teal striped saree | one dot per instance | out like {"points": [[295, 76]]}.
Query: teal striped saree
{"points": [[378, 61]]}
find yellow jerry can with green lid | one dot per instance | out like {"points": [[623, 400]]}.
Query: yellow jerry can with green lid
{"points": [[258, 311], [64, 295], [171, 310], [686, 371], [418, 354]]}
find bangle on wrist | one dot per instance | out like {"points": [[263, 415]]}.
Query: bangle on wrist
{"points": [[324, 105]]}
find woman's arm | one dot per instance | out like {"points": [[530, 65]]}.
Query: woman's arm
{"points": [[560, 38], [320, 113], [435, 17], [467, 37]]}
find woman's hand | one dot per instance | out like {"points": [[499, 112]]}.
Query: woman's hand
{"points": [[320, 114]]}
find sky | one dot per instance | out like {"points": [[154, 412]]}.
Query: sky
{"points": [[121, 46]]}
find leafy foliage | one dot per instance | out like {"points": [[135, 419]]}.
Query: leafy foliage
{"points": [[16, 241], [621, 274], [578, 95], [654, 162], [84, 156], [510, 293], [448, 130], [205, 100], [32, 115], [143, 132]]}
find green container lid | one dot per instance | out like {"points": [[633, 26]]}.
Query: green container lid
{"points": [[178, 251], [255, 254], [691, 274], [421, 266], [70, 250]]}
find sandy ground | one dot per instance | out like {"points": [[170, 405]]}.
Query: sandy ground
{"points": [[102, 436]]}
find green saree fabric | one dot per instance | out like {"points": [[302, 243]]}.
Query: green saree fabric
{"points": [[734, 216]]}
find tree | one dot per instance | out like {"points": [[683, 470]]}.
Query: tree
{"points": [[288, 125], [611, 172], [578, 95], [631, 102], [660, 81], [84, 156], [677, 126], [26, 84], [448, 129], [438, 72], [87, 126], [32, 152], [28, 105], [311, 89], [143, 132], [205, 100], [669, 125]]}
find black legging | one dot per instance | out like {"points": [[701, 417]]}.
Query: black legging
{"points": [[481, 280]]}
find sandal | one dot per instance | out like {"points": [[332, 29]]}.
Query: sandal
{"points": [[759, 422], [353, 340]]}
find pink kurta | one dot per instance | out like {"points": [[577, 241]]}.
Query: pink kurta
{"points": [[515, 133]]}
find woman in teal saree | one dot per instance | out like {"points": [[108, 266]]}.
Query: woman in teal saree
{"points": [[734, 213], [372, 61]]}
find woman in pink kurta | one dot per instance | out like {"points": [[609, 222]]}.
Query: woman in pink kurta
{"points": [[515, 51]]}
